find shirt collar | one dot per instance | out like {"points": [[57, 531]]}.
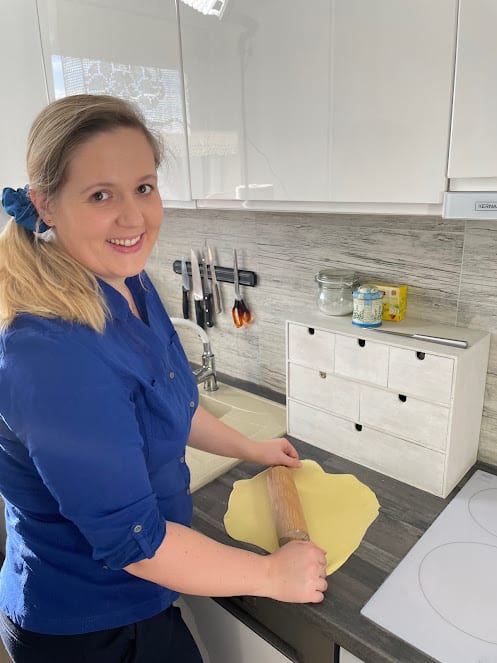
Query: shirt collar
{"points": [[116, 302]]}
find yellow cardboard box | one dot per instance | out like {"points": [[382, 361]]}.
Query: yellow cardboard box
{"points": [[394, 301]]}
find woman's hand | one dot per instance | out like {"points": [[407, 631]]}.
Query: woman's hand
{"points": [[297, 573], [278, 451], [213, 435]]}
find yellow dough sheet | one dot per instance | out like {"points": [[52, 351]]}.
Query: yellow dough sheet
{"points": [[338, 509]]}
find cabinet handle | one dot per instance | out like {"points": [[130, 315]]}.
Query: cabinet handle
{"points": [[362, 342], [402, 398], [358, 427], [310, 330], [420, 355], [322, 374]]}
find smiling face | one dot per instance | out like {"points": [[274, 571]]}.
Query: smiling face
{"points": [[108, 213]]}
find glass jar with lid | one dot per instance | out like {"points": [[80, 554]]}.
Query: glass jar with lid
{"points": [[335, 291]]}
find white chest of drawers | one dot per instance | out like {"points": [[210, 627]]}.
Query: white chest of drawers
{"points": [[410, 409]]}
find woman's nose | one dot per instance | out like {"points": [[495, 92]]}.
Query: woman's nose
{"points": [[130, 213]]}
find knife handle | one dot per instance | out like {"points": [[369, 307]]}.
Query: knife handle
{"points": [[208, 309], [186, 312], [199, 313]]}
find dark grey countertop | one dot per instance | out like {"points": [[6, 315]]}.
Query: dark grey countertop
{"points": [[405, 514]]}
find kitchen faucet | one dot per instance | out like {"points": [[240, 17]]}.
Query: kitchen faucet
{"points": [[207, 372]]}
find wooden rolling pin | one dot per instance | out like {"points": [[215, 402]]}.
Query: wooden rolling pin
{"points": [[285, 504]]}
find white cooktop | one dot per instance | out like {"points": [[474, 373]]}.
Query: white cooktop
{"points": [[442, 597]]}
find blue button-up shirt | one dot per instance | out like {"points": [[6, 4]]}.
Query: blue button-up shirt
{"points": [[93, 430]]}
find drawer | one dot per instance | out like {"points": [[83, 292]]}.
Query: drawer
{"points": [[324, 390], [406, 416], [402, 460], [422, 374], [310, 346], [361, 359]]}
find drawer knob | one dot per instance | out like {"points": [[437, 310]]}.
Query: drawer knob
{"points": [[358, 427], [322, 374], [362, 342], [402, 397], [420, 355], [310, 330]]}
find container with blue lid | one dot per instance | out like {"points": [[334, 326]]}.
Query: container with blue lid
{"points": [[368, 306]]}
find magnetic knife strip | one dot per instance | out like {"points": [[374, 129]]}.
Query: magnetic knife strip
{"points": [[224, 274]]}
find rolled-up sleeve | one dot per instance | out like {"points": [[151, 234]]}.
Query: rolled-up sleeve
{"points": [[75, 415]]}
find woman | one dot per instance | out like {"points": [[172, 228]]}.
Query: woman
{"points": [[97, 402]]}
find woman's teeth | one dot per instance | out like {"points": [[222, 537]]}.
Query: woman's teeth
{"points": [[125, 242]]}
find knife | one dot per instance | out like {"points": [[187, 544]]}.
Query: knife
{"points": [[454, 342], [198, 294], [218, 303], [207, 290], [185, 288]]}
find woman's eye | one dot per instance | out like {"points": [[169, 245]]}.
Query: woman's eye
{"points": [[144, 188], [99, 196]]}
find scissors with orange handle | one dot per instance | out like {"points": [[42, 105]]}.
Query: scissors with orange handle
{"points": [[240, 311]]}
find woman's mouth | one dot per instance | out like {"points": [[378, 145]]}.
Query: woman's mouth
{"points": [[128, 244]]}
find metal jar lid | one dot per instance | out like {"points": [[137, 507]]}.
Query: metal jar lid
{"points": [[336, 278], [367, 292]]}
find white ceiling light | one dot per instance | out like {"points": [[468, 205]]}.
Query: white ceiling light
{"points": [[208, 7]]}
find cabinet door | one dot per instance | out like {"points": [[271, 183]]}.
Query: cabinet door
{"points": [[221, 637], [346, 657], [23, 84], [474, 123], [329, 100], [127, 49]]}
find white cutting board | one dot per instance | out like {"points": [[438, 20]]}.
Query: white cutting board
{"points": [[442, 597]]}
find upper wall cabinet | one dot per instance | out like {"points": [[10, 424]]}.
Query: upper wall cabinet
{"points": [[128, 49], [23, 83], [329, 100], [473, 154]]}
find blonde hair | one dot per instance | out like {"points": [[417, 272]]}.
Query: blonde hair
{"points": [[36, 275]]}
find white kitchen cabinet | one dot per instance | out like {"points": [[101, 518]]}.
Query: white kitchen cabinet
{"points": [[23, 84], [472, 156], [343, 101], [221, 637], [409, 409], [128, 49], [346, 657]]}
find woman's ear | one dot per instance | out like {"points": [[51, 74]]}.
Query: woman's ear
{"points": [[42, 204]]}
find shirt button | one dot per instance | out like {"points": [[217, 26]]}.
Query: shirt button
{"points": [[192, 404], [182, 459], [171, 374], [137, 529]]}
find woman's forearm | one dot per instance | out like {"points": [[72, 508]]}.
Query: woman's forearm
{"points": [[210, 434], [191, 563]]}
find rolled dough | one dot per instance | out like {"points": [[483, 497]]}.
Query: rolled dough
{"points": [[338, 509]]}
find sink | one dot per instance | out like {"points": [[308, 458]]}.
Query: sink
{"points": [[256, 417]]}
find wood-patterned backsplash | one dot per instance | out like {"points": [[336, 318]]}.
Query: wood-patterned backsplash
{"points": [[450, 267]]}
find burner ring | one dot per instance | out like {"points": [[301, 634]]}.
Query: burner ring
{"points": [[454, 585], [482, 507]]}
